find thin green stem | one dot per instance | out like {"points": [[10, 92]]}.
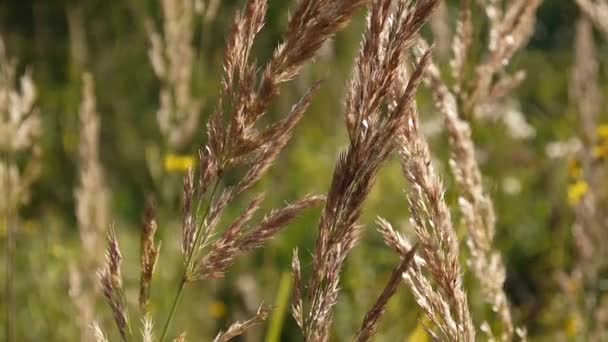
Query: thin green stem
{"points": [[178, 295], [189, 261]]}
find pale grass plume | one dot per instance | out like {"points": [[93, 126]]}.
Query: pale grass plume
{"points": [[392, 28], [92, 195], [439, 24], [20, 122], [20, 132], [238, 328], [510, 26], [20, 159], [597, 11], [92, 209], [147, 330], [475, 204], [172, 57], [98, 333], [446, 301]]}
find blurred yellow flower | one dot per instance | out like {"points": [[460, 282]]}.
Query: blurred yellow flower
{"points": [[573, 325], [217, 309], [602, 131], [177, 163], [576, 192]]}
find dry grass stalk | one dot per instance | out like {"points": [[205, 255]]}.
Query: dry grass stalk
{"points": [[238, 142], [235, 141], [172, 57], [475, 204], [511, 25], [445, 303], [370, 321], [92, 209], [439, 24], [392, 27], [236, 240], [597, 11], [20, 131], [238, 328], [92, 196], [110, 278], [149, 257], [19, 134], [509, 31]]}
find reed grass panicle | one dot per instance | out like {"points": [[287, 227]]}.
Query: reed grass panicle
{"points": [[391, 29], [20, 132], [92, 210], [597, 11], [172, 57], [510, 26]]}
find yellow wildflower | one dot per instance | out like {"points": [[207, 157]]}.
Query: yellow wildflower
{"points": [[573, 325], [576, 192], [217, 309], [602, 131], [176, 163]]}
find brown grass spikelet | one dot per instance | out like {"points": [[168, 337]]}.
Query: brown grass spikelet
{"points": [[236, 240], [297, 303], [234, 140], [110, 278], [149, 257], [475, 204], [369, 325], [238, 328], [392, 27]]}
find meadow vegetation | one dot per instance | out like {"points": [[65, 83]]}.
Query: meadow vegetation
{"points": [[314, 170]]}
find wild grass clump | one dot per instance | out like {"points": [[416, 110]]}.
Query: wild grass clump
{"points": [[447, 252]]}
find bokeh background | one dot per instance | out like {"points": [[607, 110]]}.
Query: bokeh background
{"points": [[528, 180]]}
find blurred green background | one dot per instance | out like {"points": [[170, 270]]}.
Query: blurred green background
{"points": [[528, 186]]}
